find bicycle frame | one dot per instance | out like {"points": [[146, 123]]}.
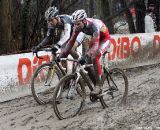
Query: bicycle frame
{"points": [[53, 61], [76, 92], [80, 71]]}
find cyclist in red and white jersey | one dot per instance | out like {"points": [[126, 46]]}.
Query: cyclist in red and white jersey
{"points": [[98, 44]]}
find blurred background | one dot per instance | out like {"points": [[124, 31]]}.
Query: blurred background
{"points": [[22, 22]]}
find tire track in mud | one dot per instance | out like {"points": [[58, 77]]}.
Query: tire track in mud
{"points": [[21, 112], [141, 110]]}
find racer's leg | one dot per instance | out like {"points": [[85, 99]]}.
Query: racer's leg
{"points": [[91, 72], [83, 39], [97, 66]]}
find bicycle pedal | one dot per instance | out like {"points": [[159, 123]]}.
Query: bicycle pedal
{"points": [[70, 97], [47, 85], [94, 98], [112, 88], [58, 101], [111, 94]]}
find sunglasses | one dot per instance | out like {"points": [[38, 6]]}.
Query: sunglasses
{"points": [[49, 20], [77, 24]]}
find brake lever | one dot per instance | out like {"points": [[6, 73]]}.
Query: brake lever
{"points": [[84, 71], [37, 55]]}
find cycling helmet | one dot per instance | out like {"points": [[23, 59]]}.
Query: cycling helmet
{"points": [[79, 15], [51, 12]]}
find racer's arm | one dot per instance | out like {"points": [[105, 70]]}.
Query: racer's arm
{"points": [[69, 45], [95, 40], [65, 35], [47, 38]]}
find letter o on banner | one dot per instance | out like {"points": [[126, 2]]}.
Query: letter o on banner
{"points": [[135, 46], [156, 45]]}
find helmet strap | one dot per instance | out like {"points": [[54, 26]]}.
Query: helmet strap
{"points": [[58, 20], [84, 22]]}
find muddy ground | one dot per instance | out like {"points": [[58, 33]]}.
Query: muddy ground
{"points": [[142, 110]]}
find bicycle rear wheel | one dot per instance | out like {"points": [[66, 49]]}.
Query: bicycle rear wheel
{"points": [[69, 97], [43, 82], [116, 87]]}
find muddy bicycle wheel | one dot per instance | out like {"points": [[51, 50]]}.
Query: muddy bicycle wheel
{"points": [[43, 82], [68, 98], [115, 88]]}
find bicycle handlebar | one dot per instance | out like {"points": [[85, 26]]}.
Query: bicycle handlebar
{"points": [[37, 55], [44, 49], [64, 59], [82, 67], [68, 59], [75, 60]]}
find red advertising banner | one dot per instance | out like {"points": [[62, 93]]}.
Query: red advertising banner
{"points": [[127, 51]]}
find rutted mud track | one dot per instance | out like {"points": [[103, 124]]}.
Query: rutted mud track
{"points": [[141, 110]]}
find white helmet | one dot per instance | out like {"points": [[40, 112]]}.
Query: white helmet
{"points": [[51, 12], [79, 15]]}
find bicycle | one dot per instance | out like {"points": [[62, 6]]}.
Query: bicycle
{"points": [[41, 82], [69, 101]]}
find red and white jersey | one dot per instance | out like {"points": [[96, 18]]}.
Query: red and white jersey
{"points": [[95, 28]]}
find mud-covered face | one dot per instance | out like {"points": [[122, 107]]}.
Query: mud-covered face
{"points": [[53, 21], [79, 24]]}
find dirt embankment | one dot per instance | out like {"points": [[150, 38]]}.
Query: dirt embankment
{"points": [[142, 110]]}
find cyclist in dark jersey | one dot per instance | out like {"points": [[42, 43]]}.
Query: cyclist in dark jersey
{"points": [[60, 22], [99, 43]]}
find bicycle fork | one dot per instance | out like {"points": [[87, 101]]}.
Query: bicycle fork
{"points": [[73, 86], [50, 74]]}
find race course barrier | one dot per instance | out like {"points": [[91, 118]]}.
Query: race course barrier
{"points": [[16, 72], [135, 50], [128, 51]]}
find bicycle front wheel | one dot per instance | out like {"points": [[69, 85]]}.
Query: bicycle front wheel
{"points": [[69, 97], [115, 87], [43, 82]]}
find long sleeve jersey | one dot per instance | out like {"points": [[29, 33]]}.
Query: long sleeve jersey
{"points": [[95, 28], [66, 26]]}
